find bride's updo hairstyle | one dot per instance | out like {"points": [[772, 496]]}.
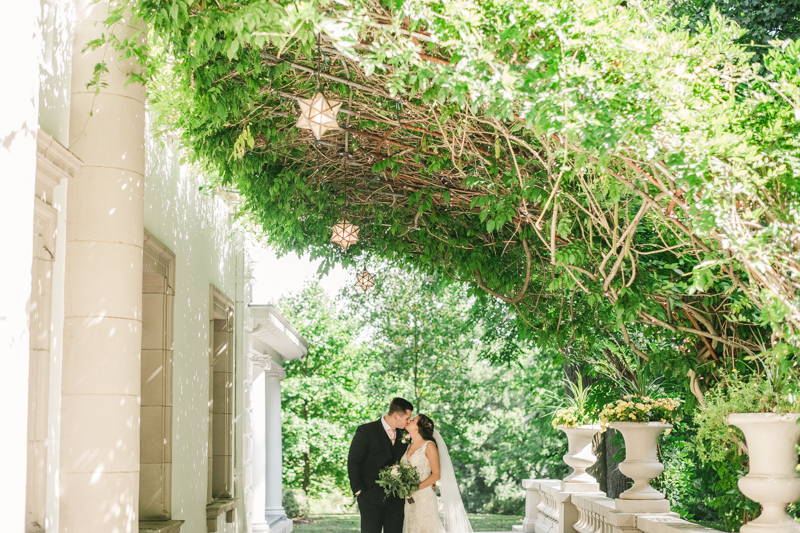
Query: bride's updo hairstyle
{"points": [[425, 427]]}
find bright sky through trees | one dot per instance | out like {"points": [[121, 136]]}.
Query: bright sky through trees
{"points": [[275, 277]]}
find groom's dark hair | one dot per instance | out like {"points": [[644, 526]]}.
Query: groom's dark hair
{"points": [[400, 405]]}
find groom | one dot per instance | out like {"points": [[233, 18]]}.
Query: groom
{"points": [[376, 445]]}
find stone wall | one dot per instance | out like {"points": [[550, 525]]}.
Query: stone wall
{"points": [[195, 226]]}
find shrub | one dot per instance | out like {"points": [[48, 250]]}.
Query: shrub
{"points": [[295, 503], [508, 506]]}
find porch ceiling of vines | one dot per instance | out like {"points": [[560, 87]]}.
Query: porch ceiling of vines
{"points": [[568, 199]]}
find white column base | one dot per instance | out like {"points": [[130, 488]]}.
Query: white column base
{"points": [[260, 527], [281, 525]]}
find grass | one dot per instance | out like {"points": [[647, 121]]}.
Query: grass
{"points": [[349, 523]]}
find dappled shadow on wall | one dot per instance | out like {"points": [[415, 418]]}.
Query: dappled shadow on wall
{"points": [[184, 214], [195, 226]]}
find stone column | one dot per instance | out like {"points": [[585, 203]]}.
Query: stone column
{"points": [[258, 461], [20, 39], [103, 294], [273, 375]]}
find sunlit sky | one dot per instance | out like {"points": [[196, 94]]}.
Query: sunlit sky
{"points": [[275, 277]]}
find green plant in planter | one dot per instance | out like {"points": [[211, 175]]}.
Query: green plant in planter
{"points": [[576, 409], [643, 397], [773, 390], [715, 440]]}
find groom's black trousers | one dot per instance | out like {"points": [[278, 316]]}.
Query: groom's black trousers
{"points": [[386, 518]]}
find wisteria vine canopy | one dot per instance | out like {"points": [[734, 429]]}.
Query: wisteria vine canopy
{"points": [[592, 163]]}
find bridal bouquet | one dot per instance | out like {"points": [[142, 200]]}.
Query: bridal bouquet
{"points": [[399, 480]]}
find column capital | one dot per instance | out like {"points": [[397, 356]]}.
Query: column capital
{"points": [[271, 368]]}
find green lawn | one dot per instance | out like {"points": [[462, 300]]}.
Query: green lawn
{"points": [[349, 523]]}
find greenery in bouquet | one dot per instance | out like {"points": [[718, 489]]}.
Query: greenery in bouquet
{"points": [[634, 408], [575, 410], [399, 480], [772, 390]]}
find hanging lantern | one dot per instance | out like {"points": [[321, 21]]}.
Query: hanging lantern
{"points": [[365, 280], [345, 234], [318, 114]]}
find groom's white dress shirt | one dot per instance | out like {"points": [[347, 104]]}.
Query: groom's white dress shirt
{"points": [[389, 429]]}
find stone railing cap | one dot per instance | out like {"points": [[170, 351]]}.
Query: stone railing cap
{"points": [[668, 523]]}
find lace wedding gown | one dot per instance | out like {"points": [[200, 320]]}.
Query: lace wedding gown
{"points": [[422, 516]]}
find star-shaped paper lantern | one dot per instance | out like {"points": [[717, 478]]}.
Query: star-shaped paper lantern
{"points": [[345, 234], [318, 114], [365, 280]]}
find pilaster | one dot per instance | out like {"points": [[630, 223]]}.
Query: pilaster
{"points": [[101, 381]]}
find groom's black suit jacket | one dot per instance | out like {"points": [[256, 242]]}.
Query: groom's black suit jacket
{"points": [[370, 451]]}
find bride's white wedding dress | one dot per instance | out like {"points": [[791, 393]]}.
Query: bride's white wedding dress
{"points": [[422, 516]]}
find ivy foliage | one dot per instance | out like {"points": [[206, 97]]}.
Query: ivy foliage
{"points": [[594, 164]]}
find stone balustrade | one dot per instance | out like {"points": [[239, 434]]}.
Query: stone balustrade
{"points": [[551, 509]]}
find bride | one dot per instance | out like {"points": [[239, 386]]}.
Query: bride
{"points": [[428, 454]]}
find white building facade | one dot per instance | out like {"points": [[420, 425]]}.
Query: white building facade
{"points": [[141, 390]]}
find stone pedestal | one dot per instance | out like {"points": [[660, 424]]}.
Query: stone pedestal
{"points": [[579, 457], [99, 461], [642, 465], [772, 480]]}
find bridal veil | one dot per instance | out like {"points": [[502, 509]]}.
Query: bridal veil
{"points": [[453, 513]]}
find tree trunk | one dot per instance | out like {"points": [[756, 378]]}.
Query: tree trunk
{"points": [[306, 457], [417, 399], [616, 482], [307, 471], [598, 470]]}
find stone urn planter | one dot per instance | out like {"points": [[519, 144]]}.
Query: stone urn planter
{"points": [[580, 457], [641, 464], [772, 480]]}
